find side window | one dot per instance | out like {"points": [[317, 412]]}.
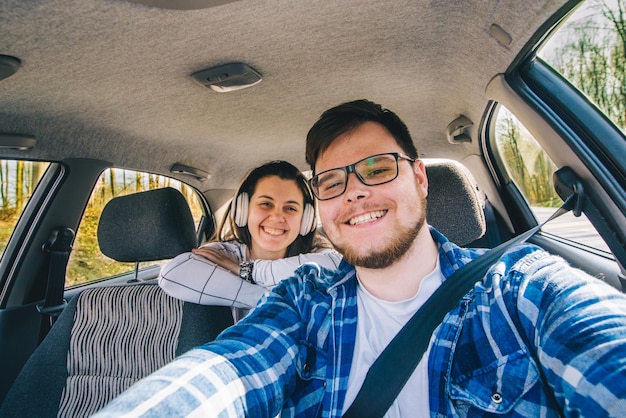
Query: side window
{"points": [[530, 168], [86, 262], [589, 51], [18, 180]]}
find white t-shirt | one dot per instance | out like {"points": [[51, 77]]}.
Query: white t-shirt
{"points": [[378, 322]]}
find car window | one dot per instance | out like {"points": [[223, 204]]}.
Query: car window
{"points": [[588, 50], [18, 180], [86, 262], [530, 168]]}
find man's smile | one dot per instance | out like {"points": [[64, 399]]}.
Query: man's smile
{"points": [[366, 217]]}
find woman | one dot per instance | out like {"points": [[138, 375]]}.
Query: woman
{"points": [[267, 232]]}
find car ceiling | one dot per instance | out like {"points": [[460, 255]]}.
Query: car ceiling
{"points": [[111, 80]]}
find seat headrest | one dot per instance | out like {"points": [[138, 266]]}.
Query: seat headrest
{"points": [[454, 203], [146, 226]]}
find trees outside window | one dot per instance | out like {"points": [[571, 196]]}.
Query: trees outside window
{"points": [[86, 262], [589, 50], [18, 180]]}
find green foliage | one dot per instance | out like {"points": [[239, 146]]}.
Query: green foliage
{"points": [[18, 180], [589, 50], [526, 162]]}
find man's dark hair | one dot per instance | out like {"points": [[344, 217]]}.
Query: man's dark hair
{"points": [[348, 116]]}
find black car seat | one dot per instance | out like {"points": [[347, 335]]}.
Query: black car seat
{"points": [[455, 205], [109, 337]]}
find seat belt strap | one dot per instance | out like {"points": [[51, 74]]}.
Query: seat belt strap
{"points": [[59, 246], [395, 365]]}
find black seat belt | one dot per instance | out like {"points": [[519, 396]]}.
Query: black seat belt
{"points": [[59, 246], [393, 367]]}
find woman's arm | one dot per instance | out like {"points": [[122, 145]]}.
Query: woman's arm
{"points": [[268, 273], [193, 278], [219, 257]]}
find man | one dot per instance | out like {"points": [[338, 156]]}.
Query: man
{"points": [[531, 338]]}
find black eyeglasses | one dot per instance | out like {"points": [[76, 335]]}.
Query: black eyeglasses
{"points": [[371, 171]]}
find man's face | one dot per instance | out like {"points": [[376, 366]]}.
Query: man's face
{"points": [[373, 226]]}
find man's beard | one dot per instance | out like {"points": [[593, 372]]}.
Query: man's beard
{"points": [[399, 245]]}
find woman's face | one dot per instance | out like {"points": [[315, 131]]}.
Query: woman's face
{"points": [[274, 217]]}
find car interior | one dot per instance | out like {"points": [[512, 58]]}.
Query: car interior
{"points": [[138, 322], [127, 125], [101, 325]]}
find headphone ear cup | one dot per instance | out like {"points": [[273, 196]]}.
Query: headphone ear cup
{"points": [[239, 209], [308, 220]]}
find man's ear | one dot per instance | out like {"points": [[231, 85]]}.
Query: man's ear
{"points": [[420, 174]]}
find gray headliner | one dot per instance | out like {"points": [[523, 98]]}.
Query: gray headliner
{"points": [[110, 80]]}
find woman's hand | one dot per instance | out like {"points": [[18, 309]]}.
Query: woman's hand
{"points": [[218, 257]]}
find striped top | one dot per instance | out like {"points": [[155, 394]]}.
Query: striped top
{"points": [[196, 279]]}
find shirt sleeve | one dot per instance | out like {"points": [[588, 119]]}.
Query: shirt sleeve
{"points": [[268, 273], [197, 383], [193, 278], [576, 326], [247, 371]]}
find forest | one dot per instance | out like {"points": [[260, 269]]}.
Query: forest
{"points": [[589, 51], [18, 180]]}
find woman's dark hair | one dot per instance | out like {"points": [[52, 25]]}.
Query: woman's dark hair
{"points": [[348, 116], [228, 230]]}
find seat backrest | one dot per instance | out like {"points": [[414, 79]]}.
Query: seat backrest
{"points": [[146, 226], [109, 337], [455, 205]]}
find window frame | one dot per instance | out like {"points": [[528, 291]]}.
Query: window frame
{"points": [[596, 147], [138, 271], [26, 227]]}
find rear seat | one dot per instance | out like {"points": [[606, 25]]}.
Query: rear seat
{"points": [[109, 337]]}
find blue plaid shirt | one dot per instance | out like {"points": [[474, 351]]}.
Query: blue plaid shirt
{"points": [[533, 338]]}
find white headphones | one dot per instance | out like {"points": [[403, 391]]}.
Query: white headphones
{"points": [[239, 214]]}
